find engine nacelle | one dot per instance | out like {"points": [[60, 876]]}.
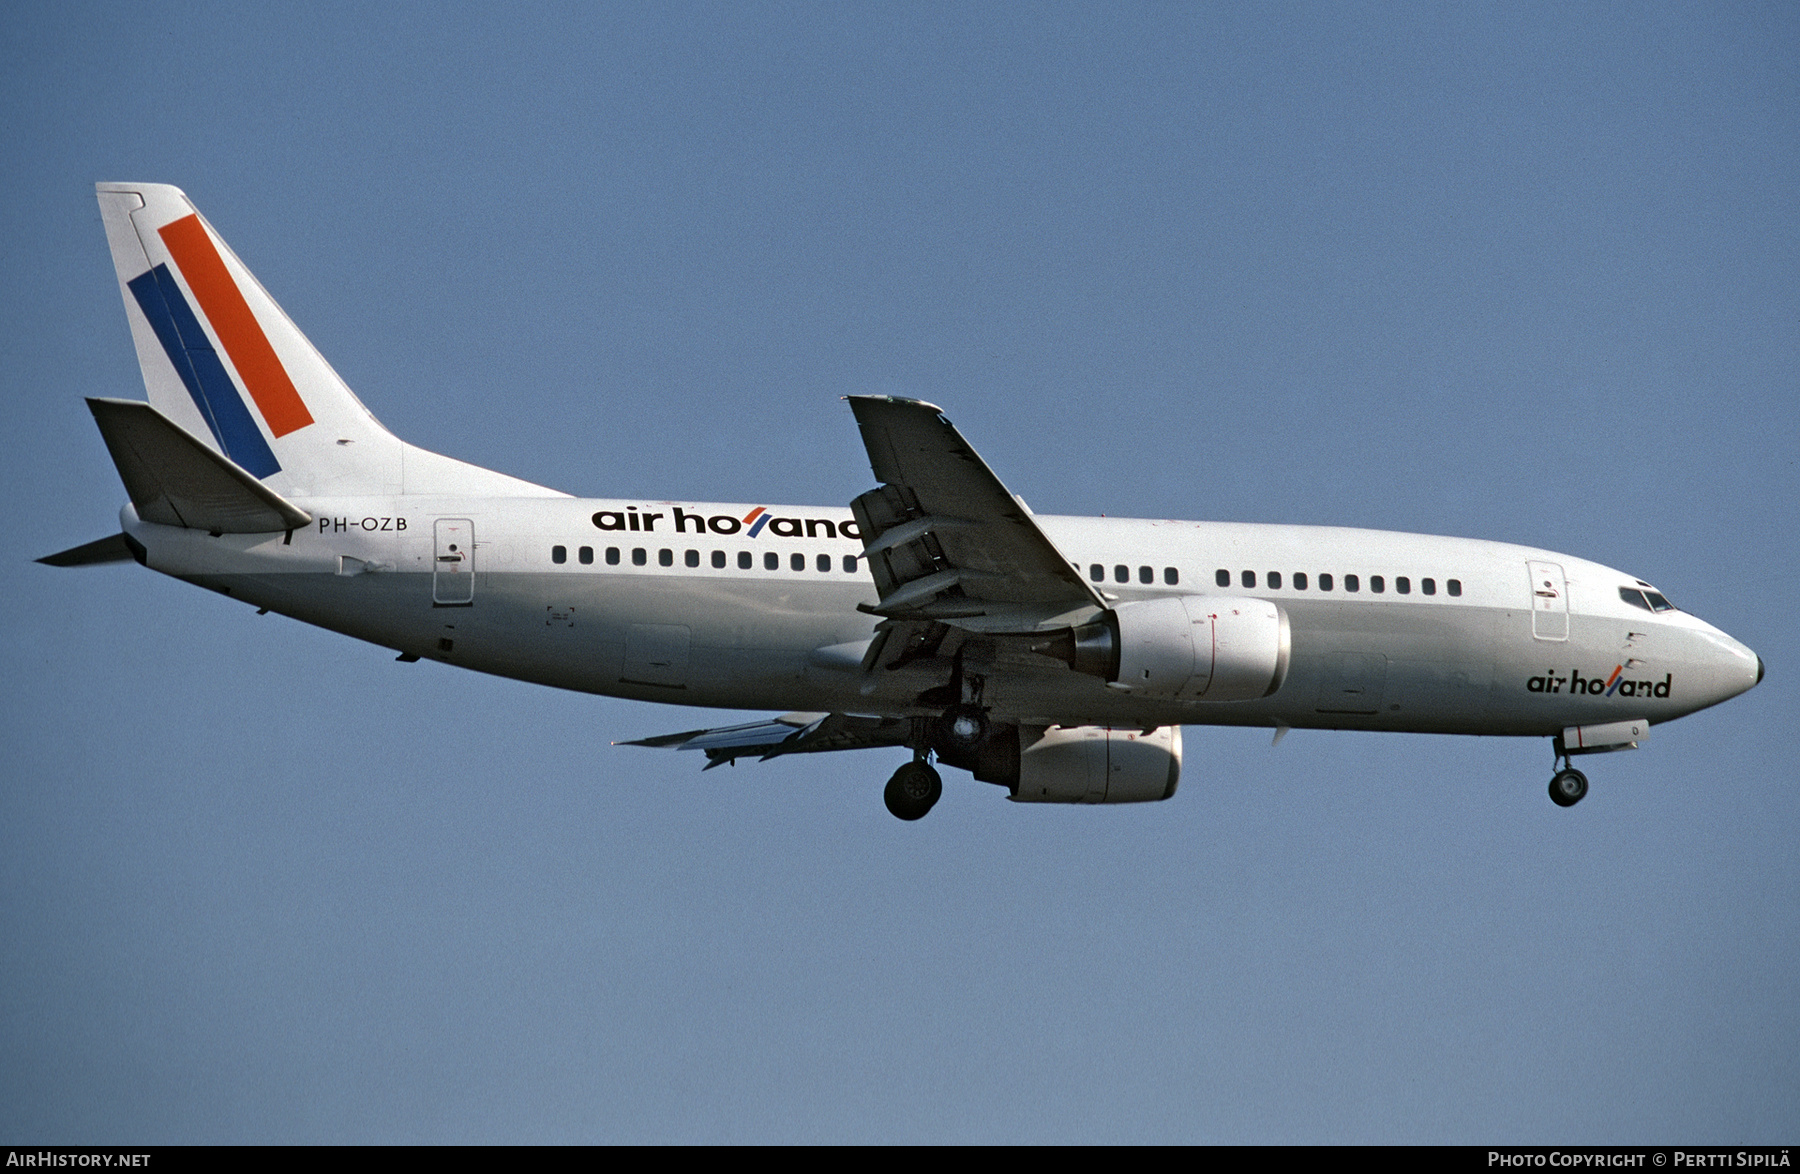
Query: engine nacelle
{"points": [[1192, 647], [1092, 764]]}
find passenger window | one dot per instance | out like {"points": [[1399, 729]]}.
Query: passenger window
{"points": [[1377, 584], [1275, 580], [1403, 585], [1428, 586], [1122, 573], [771, 561], [798, 562], [586, 555], [1097, 573], [1146, 575], [1324, 580], [718, 559], [692, 558], [1453, 586], [612, 556], [1171, 576], [559, 554], [639, 556], [824, 562], [1222, 577], [665, 557], [743, 560], [1352, 583], [1248, 578], [849, 564], [1299, 580]]}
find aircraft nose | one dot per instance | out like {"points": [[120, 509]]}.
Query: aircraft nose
{"points": [[1723, 667], [1740, 669]]}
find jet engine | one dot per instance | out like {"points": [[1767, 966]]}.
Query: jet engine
{"points": [[1192, 648], [1092, 764]]}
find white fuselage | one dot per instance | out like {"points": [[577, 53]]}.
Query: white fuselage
{"points": [[1463, 636]]}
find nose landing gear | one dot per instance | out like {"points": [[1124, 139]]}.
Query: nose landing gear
{"points": [[1568, 788]]}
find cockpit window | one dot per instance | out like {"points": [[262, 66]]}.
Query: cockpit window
{"points": [[1647, 599]]}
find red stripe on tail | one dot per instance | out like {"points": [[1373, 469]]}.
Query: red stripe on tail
{"points": [[232, 320]]}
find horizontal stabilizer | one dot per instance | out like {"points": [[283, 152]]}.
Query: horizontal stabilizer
{"points": [[113, 549], [175, 480]]}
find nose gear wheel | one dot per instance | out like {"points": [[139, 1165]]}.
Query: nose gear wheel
{"points": [[1568, 788]]}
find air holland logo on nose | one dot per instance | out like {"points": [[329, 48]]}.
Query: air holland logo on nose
{"points": [[191, 352], [750, 525], [1615, 685]]}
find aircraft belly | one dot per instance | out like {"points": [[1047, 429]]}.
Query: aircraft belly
{"points": [[387, 609], [1434, 673], [716, 643], [733, 643], [576, 632]]}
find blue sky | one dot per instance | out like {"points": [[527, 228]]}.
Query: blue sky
{"points": [[1517, 272]]}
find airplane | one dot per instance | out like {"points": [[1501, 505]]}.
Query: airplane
{"points": [[935, 614]]}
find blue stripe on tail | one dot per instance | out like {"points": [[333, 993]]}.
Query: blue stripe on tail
{"points": [[201, 372]]}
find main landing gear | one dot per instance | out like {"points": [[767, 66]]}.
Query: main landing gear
{"points": [[960, 730], [1569, 786], [913, 790], [955, 736]]}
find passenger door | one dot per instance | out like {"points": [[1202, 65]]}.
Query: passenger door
{"points": [[1549, 601], [453, 568]]}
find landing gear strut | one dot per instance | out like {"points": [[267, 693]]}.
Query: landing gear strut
{"points": [[913, 790], [962, 727], [1569, 786]]}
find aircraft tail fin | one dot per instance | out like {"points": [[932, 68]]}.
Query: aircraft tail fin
{"points": [[226, 365]]}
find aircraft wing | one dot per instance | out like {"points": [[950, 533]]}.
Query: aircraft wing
{"points": [[791, 733], [945, 540]]}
